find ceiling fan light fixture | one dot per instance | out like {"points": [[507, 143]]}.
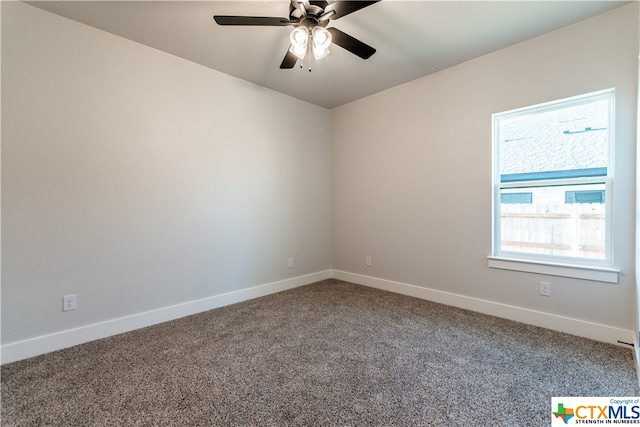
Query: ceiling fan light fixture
{"points": [[309, 19], [299, 40], [321, 41]]}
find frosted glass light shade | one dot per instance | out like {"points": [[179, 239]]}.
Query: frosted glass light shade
{"points": [[299, 39], [321, 42]]}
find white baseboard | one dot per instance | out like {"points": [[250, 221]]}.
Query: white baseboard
{"points": [[56, 341], [555, 322]]}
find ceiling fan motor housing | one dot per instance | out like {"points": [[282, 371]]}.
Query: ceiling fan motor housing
{"points": [[311, 19]]}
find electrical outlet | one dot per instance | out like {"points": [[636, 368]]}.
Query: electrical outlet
{"points": [[69, 303], [545, 288], [367, 260], [290, 262]]}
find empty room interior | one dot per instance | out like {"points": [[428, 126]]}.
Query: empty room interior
{"points": [[158, 165]]}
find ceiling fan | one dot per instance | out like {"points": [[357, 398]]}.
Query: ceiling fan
{"points": [[309, 19]]}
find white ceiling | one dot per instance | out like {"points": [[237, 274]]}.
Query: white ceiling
{"points": [[412, 38]]}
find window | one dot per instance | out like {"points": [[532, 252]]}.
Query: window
{"points": [[553, 181]]}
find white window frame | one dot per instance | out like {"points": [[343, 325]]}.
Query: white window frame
{"points": [[582, 268]]}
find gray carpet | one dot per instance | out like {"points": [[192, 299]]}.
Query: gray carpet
{"points": [[330, 353]]}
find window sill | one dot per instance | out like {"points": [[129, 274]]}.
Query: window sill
{"points": [[598, 274]]}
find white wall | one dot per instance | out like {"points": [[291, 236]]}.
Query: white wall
{"points": [[138, 180], [412, 174]]}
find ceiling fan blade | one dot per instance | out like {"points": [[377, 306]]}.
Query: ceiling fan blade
{"points": [[322, 4], [345, 7], [351, 44], [251, 20], [289, 60]]}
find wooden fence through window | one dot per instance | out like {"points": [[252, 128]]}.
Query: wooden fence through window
{"points": [[572, 229]]}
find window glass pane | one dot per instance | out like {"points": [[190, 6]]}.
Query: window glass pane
{"points": [[551, 225], [572, 138]]}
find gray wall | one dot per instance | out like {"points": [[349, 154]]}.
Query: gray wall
{"points": [[412, 170], [138, 180]]}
